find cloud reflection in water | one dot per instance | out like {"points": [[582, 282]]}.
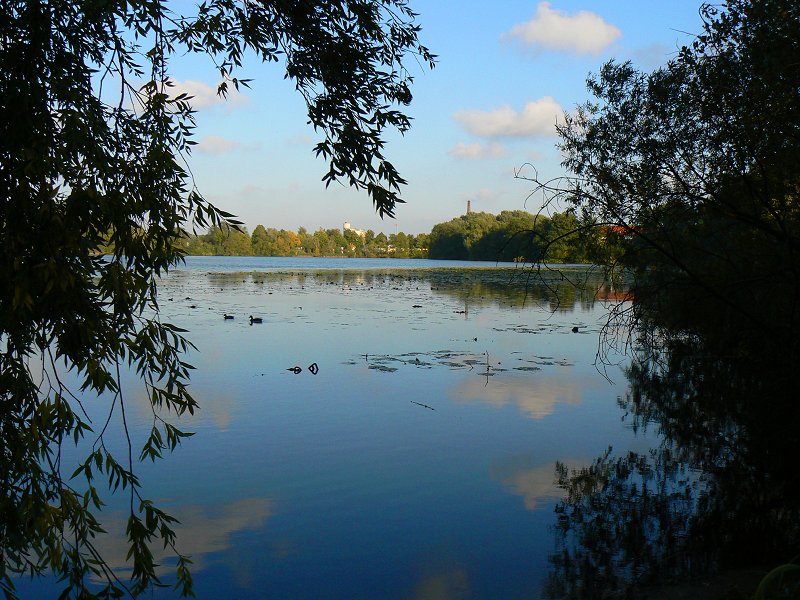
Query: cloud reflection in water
{"points": [[536, 484], [203, 530], [535, 396], [448, 585]]}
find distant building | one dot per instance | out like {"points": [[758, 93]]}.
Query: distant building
{"points": [[359, 232]]}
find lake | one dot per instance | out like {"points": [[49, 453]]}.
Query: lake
{"points": [[413, 453]]}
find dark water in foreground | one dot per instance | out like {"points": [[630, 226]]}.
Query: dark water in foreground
{"points": [[417, 462]]}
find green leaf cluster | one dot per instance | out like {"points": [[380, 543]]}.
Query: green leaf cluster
{"points": [[93, 159], [514, 236], [229, 241], [695, 164]]}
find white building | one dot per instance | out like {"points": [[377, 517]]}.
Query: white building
{"points": [[359, 232]]}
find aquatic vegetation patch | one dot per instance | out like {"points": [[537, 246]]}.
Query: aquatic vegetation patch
{"points": [[549, 328], [383, 368], [481, 362]]}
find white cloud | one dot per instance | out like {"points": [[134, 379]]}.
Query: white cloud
{"points": [[214, 144], [204, 95], [537, 119], [582, 33], [477, 151]]}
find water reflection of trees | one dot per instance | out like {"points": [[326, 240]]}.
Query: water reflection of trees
{"points": [[560, 290], [721, 492]]}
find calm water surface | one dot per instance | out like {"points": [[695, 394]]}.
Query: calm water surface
{"points": [[418, 462]]}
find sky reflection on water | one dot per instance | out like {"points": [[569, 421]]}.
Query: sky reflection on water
{"points": [[430, 478]]}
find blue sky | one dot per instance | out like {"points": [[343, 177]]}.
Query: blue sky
{"points": [[507, 71]]}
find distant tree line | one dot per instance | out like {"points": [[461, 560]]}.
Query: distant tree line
{"points": [[518, 236], [510, 236], [229, 241]]}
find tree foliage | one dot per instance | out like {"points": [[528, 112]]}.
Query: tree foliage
{"points": [[510, 236], [692, 170], [93, 154], [696, 165], [228, 241]]}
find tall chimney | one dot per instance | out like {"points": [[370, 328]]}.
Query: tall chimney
{"points": [[469, 206]]}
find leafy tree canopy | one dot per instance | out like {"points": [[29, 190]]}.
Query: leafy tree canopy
{"points": [[230, 241], [693, 170], [92, 155], [695, 166], [510, 236]]}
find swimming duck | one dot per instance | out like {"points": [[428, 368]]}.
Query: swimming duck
{"points": [[255, 319], [226, 316]]}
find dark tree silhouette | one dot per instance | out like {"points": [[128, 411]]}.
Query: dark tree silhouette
{"points": [[92, 156]]}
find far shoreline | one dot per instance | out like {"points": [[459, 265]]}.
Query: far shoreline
{"points": [[310, 263]]}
